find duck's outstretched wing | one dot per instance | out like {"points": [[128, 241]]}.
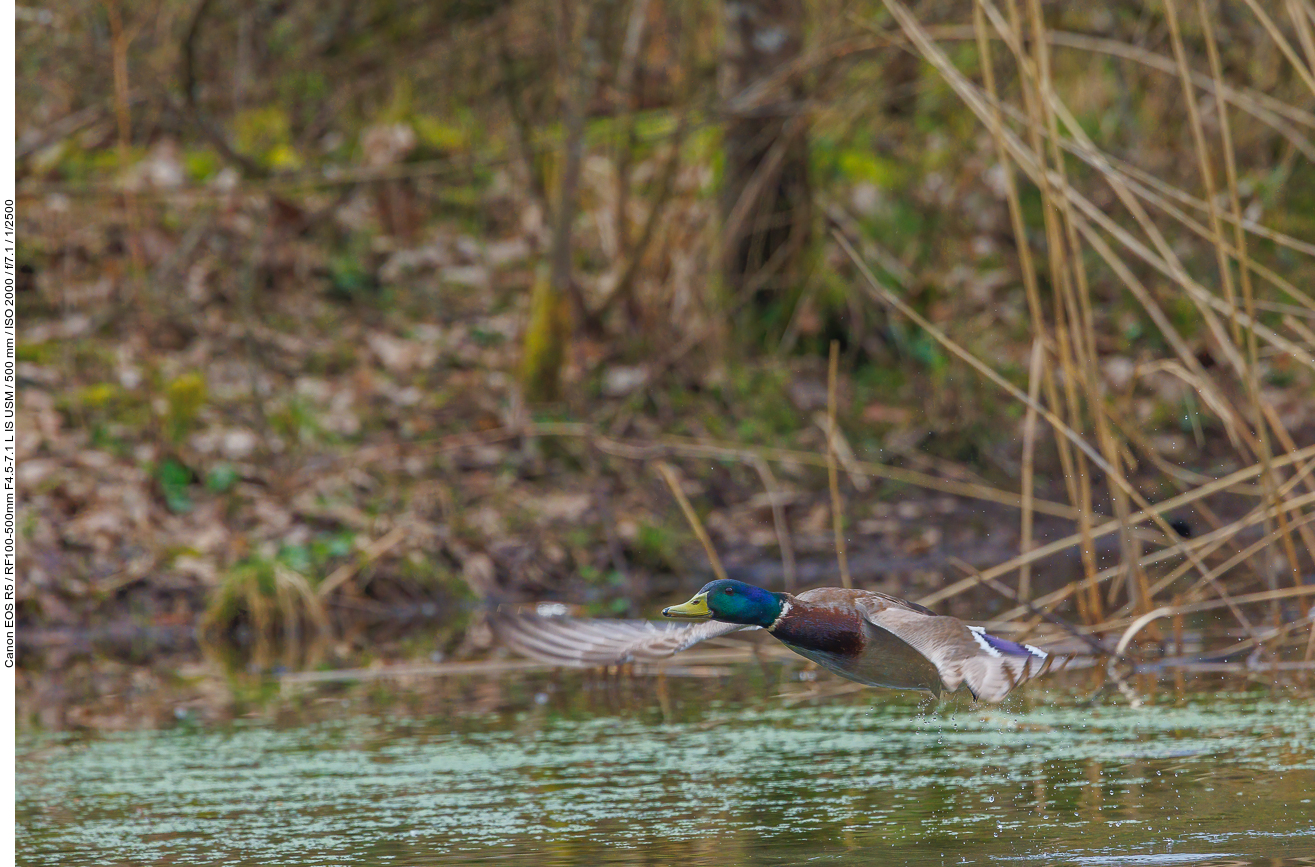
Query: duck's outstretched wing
{"points": [[586, 643], [990, 666]]}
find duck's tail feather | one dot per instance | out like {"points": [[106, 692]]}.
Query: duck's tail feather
{"points": [[1001, 665]]}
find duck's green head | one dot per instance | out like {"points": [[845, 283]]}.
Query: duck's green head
{"points": [[730, 602]]}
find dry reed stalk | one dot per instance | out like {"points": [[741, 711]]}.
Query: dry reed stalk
{"points": [[1302, 23], [1040, 614], [1302, 329], [1213, 541], [1303, 72], [1111, 526], [1031, 158], [692, 447], [1202, 158], [881, 293], [1201, 507], [1194, 290], [1260, 105], [1285, 439], [673, 481], [1095, 401], [1206, 545], [849, 462], [1029, 455], [1158, 192], [1033, 75], [1310, 645], [1050, 600], [1251, 550], [1306, 302], [1039, 331], [779, 522], [1167, 260], [1145, 187], [1261, 408], [1042, 175], [832, 473], [1250, 379], [1202, 381], [1078, 297], [1211, 605]]}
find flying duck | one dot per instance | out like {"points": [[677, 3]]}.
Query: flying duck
{"points": [[862, 635]]}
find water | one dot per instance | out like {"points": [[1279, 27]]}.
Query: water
{"points": [[680, 776]]}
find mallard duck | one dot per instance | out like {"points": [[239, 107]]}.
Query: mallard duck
{"points": [[862, 635]]}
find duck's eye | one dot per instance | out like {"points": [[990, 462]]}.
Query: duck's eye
{"points": [[728, 591]]}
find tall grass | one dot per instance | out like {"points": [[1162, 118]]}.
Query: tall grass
{"points": [[1038, 140], [1094, 225]]}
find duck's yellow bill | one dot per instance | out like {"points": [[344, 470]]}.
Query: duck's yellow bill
{"points": [[695, 609]]}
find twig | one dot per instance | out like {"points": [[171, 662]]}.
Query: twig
{"points": [[689, 446], [372, 552], [190, 88], [1005, 591], [779, 521], [69, 124], [673, 482], [665, 186], [837, 506], [849, 462]]}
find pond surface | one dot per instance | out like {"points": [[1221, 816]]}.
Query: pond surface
{"points": [[680, 776]]}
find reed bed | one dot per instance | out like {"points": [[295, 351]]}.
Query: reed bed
{"points": [[1094, 224], [1264, 583], [1258, 569]]}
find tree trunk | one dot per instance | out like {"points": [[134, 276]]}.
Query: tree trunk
{"points": [[766, 202], [548, 334]]}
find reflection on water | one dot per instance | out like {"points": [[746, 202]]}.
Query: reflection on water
{"points": [[552, 778]]}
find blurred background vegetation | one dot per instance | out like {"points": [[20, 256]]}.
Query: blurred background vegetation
{"points": [[340, 319]]}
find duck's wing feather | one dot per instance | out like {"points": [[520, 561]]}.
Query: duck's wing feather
{"points": [[990, 666], [587, 643]]}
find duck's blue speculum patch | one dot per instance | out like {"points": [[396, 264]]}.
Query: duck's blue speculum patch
{"points": [[1005, 647]]}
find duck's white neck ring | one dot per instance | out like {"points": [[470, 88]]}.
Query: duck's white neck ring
{"points": [[785, 609]]}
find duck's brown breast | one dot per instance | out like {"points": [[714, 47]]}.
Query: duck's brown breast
{"points": [[823, 630]]}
